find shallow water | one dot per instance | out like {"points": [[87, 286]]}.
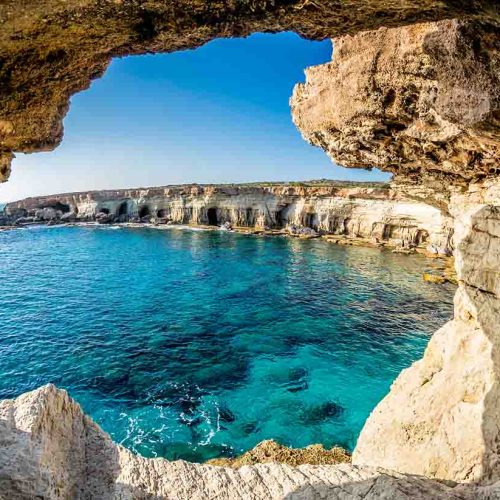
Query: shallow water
{"points": [[194, 344]]}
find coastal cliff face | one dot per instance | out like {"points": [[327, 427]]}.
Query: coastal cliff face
{"points": [[374, 213], [423, 102]]}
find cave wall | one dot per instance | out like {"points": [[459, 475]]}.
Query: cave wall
{"points": [[421, 102], [50, 49]]}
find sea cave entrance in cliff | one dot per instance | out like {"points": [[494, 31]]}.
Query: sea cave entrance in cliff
{"points": [[212, 217], [144, 211], [123, 208]]}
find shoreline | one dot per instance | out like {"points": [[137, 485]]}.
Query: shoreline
{"points": [[442, 272]]}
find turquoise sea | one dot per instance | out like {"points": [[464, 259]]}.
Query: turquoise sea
{"points": [[196, 344]]}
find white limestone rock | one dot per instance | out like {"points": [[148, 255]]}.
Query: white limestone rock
{"points": [[441, 418], [49, 449]]}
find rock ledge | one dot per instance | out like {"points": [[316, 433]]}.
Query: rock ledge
{"points": [[51, 450]]}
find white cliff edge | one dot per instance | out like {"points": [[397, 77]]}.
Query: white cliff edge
{"points": [[51, 450]]}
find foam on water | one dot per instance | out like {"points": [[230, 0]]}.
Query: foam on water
{"points": [[195, 344]]}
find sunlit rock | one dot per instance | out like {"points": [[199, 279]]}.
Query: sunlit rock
{"points": [[422, 102], [51, 450], [373, 212]]}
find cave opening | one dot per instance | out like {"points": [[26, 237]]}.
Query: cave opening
{"points": [[311, 219], [212, 217], [250, 217], [422, 236], [62, 207], [281, 217], [123, 208], [144, 211]]}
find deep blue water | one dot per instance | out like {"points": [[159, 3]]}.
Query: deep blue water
{"points": [[193, 344]]}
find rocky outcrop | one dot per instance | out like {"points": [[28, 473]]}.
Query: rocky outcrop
{"points": [[50, 49], [441, 417], [269, 451], [371, 211], [51, 450], [421, 102]]}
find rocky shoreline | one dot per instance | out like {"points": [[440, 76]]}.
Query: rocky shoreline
{"points": [[353, 214]]}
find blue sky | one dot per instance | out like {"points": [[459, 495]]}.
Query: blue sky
{"points": [[216, 114]]}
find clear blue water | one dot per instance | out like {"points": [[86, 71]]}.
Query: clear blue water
{"points": [[194, 344]]}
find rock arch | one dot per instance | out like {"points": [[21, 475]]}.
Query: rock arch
{"points": [[419, 101]]}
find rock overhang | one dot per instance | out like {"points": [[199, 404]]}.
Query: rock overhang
{"points": [[51, 49]]}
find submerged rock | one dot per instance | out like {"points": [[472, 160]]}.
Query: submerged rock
{"points": [[319, 413], [434, 278]]}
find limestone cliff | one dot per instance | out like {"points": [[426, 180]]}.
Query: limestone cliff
{"points": [[50, 449], [423, 102], [441, 417], [372, 212]]}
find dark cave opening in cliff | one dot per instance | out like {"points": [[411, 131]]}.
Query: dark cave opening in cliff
{"points": [[212, 217], [122, 209], [58, 206], [281, 217], [144, 211]]}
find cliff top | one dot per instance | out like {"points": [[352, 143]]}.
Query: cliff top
{"points": [[314, 184]]}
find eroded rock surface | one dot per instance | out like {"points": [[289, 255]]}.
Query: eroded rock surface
{"points": [[370, 211], [270, 451], [50, 49], [441, 417], [51, 450], [421, 102]]}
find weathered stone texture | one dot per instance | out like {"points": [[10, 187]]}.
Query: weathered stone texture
{"points": [[51, 450], [422, 102], [50, 49], [441, 418]]}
